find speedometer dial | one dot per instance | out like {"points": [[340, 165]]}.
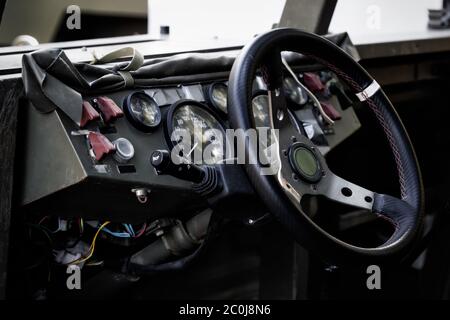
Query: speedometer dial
{"points": [[196, 132]]}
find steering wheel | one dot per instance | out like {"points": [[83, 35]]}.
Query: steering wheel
{"points": [[302, 169]]}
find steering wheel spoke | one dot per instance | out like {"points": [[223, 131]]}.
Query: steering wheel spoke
{"points": [[340, 190], [298, 180]]}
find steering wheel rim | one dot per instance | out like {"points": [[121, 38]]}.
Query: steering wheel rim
{"points": [[404, 214]]}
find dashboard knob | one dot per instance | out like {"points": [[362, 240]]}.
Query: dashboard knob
{"points": [[163, 164], [124, 150], [160, 159]]}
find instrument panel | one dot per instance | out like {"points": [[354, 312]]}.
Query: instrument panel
{"points": [[106, 162]]}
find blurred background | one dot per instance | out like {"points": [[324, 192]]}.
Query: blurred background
{"points": [[46, 20]]}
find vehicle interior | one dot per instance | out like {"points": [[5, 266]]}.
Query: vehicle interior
{"points": [[157, 150]]}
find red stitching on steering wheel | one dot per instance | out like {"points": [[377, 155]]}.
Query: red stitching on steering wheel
{"points": [[379, 115]]}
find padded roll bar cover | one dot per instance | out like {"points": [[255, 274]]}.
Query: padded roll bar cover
{"points": [[305, 231]]}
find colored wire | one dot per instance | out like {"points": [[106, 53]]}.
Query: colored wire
{"points": [[95, 224], [141, 231], [46, 228], [117, 234], [42, 220], [132, 230], [92, 247], [129, 229]]}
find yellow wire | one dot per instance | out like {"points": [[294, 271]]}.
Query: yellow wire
{"points": [[92, 247]]}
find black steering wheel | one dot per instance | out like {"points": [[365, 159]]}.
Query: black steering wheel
{"points": [[302, 169]]}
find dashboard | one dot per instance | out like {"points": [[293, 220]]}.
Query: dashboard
{"points": [[107, 164]]}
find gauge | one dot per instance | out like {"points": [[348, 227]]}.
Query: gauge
{"points": [[217, 96], [294, 91], [196, 132], [142, 111], [261, 116], [260, 107]]}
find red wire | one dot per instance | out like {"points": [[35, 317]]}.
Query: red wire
{"points": [[43, 219], [142, 231]]}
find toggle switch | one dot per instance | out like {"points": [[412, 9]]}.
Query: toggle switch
{"points": [[100, 145], [313, 82], [88, 114], [330, 111], [109, 109]]}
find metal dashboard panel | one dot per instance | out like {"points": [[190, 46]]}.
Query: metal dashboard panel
{"points": [[51, 162], [61, 176]]}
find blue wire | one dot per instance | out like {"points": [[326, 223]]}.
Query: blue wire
{"points": [[117, 234], [129, 229], [132, 230]]}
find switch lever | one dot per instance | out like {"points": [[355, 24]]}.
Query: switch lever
{"points": [[163, 164], [110, 110], [100, 144]]}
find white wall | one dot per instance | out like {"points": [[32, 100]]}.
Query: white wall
{"points": [[367, 17], [241, 19], [209, 19]]}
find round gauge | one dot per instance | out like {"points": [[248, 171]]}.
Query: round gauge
{"points": [[196, 132], [261, 116], [217, 96], [294, 92], [260, 107], [142, 111]]}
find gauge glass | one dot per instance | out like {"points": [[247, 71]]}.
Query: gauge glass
{"points": [[145, 110], [203, 130], [219, 94], [260, 106], [294, 92]]}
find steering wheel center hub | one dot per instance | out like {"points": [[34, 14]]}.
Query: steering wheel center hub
{"points": [[304, 162]]}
